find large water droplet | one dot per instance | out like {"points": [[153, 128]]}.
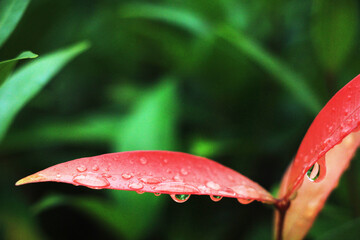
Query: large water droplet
{"points": [[143, 160], [245, 201], [314, 172], [150, 180], [317, 172], [213, 185], [180, 198], [81, 168], [136, 186], [215, 198], [91, 180]]}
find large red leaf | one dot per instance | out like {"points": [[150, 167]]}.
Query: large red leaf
{"points": [[336, 120], [156, 172], [330, 142]]}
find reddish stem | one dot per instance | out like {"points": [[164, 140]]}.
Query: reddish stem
{"points": [[282, 206]]}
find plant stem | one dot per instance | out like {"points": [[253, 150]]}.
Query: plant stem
{"points": [[282, 206]]}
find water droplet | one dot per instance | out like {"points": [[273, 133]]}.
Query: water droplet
{"points": [[157, 194], [215, 198], [126, 176], [136, 186], [139, 192], [245, 201], [58, 176], [213, 185], [106, 175], [150, 180], [143, 160], [177, 178], [180, 198], [91, 180], [95, 168], [81, 168], [183, 171], [314, 172], [113, 178], [317, 172], [106, 169], [165, 160], [168, 170]]}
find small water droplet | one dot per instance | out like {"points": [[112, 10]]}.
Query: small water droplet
{"points": [[165, 160], [58, 176], [215, 198], [139, 192], [113, 178], [136, 186], [81, 168], [106, 175], [213, 185], [245, 201], [126, 176], [143, 160], [91, 180], [168, 170], [95, 168], [157, 194], [180, 198], [106, 169], [177, 178], [150, 180], [183, 171]]}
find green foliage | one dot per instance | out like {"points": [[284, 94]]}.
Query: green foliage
{"points": [[29, 80], [7, 66], [10, 14], [334, 28], [246, 78]]}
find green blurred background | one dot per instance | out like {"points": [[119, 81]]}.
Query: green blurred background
{"points": [[235, 81]]}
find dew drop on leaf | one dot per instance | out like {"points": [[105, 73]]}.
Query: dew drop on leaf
{"points": [[245, 201], [314, 172], [213, 185], [215, 198], [81, 168], [126, 176], [91, 180], [180, 198], [143, 160], [136, 186]]}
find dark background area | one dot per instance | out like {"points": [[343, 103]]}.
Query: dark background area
{"points": [[235, 81]]}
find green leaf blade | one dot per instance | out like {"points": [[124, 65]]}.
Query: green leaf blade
{"points": [[10, 14], [25, 83], [6, 67]]}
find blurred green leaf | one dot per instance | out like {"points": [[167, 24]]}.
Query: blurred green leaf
{"points": [[10, 14], [349, 230], [7, 66], [91, 129], [287, 78], [333, 30], [173, 15], [29, 80], [152, 124]]}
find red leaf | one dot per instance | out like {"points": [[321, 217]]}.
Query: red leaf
{"points": [[156, 172], [331, 142], [336, 120]]}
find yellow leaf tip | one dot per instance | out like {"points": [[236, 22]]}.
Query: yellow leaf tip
{"points": [[30, 179]]}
